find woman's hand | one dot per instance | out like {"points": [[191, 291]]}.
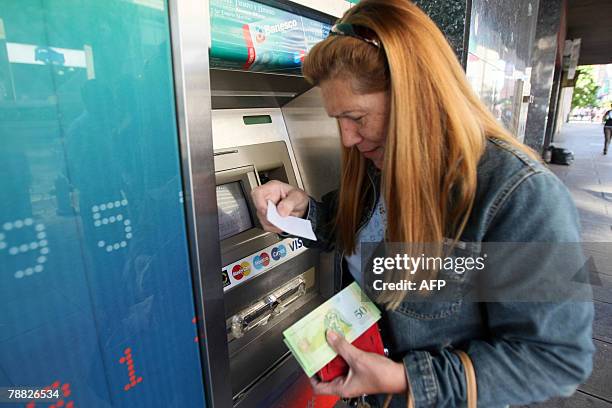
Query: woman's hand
{"points": [[289, 200], [369, 373]]}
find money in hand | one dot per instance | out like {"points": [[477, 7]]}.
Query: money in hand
{"points": [[349, 313]]}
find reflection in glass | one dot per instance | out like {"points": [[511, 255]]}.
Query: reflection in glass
{"points": [[499, 58]]}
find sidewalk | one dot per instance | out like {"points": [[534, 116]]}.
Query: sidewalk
{"points": [[589, 179]]}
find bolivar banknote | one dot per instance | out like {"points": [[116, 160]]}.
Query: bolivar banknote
{"points": [[349, 313]]}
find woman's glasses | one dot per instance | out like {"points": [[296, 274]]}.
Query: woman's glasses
{"points": [[360, 32]]}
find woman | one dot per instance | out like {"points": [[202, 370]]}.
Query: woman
{"points": [[423, 160]]}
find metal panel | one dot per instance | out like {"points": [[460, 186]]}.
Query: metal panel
{"points": [[316, 142], [270, 347], [190, 28], [285, 368], [242, 159], [229, 131], [240, 89]]}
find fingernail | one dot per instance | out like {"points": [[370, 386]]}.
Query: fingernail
{"points": [[332, 335]]}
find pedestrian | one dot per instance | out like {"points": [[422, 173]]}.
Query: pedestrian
{"points": [[607, 122], [423, 160]]}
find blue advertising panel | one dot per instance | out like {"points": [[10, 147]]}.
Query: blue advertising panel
{"points": [[95, 287]]}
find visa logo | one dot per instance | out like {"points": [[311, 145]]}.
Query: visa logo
{"points": [[296, 244]]}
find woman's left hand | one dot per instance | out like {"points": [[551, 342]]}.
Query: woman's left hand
{"points": [[369, 373]]}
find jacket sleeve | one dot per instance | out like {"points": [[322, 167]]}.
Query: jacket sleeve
{"points": [[535, 350]]}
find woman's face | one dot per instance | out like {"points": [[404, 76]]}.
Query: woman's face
{"points": [[363, 118]]}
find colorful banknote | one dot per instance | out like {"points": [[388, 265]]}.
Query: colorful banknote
{"points": [[348, 313]]}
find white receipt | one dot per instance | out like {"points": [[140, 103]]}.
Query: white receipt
{"points": [[291, 225]]}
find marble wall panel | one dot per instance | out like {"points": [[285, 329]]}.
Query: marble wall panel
{"points": [[543, 61], [451, 18]]}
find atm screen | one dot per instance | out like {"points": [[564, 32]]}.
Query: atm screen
{"points": [[234, 216]]}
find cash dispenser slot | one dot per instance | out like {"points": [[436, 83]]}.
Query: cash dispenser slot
{"points": [[272, 304]]}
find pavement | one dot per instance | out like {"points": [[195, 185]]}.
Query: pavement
{"points": [[589, 179]]}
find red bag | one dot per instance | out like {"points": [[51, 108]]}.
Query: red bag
{"points": [[369, 341]]}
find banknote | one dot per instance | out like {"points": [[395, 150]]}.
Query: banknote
{"points": [[348, 313]]}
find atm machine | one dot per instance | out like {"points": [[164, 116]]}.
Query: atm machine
{"points": [[266, 123], [268, 282]]}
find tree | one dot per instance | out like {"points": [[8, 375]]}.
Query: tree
{"points": [[585, 92]]}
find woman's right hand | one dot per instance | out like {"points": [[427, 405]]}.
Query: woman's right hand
{"points": [[289, 200]]}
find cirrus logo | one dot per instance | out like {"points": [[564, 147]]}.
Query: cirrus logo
{"points": [[279, 252], [261, 261]]}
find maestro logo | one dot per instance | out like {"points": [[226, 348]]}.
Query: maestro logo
{"points": [[241, 270], [279, 252], [261, 261]]}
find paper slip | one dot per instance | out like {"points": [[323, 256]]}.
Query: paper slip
{"points": [[291, 225], [349, 313]]}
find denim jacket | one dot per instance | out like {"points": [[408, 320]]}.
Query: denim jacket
{"points": [[523, 352]]}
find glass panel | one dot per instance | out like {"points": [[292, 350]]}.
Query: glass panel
{"points": [[499, 57], [94, 271]]}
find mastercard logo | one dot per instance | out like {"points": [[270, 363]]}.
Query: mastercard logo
{"points": [[241, 270]]}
